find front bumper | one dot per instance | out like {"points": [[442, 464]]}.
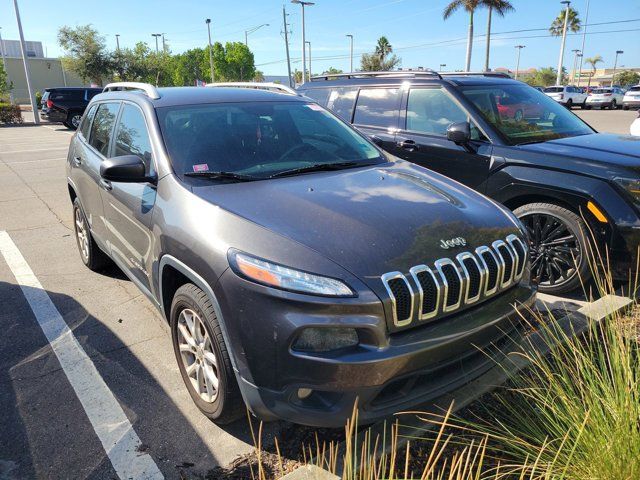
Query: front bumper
{"points": [[386, 373]]}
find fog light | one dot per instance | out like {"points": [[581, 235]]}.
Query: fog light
{"points": [[325, 339], [304, 393]]}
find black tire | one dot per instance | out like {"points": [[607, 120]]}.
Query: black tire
{"points": [[564, 256], [518, 116], [625, 107], [73, 120], [90, 253], [614, 105], [227, 405], [588, 107], [569, 104], [583, 105]]}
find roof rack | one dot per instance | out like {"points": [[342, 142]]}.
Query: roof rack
{"points": [[147, 88], [256, 85], [388, 73], [475, 74]]}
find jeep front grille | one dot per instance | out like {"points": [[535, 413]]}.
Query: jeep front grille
{"points": [[455, 283]]}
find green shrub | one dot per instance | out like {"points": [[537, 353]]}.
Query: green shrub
{"points": [[10, 113], [38, 99]]}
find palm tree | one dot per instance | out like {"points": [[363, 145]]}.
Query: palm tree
{"points": [[573, 25], [593, 61], [383, 48], [501, 7]]}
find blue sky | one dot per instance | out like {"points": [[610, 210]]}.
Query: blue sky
{"points": [[414, 27]]}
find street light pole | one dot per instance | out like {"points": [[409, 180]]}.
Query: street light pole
{"points": [[442, 65], [564, 39], [208, 22], [156, 35], [117, 42], [575, 63], [286, 42], [304, 56], [584, 38], [309, 43], [251, 30], [519, 47], [27, 74], [615, 65], [164, 45], [350, 52]]}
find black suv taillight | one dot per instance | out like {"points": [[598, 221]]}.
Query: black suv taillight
{"points": [[49, 104]]}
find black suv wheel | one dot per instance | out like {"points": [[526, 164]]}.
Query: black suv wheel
{"points": [[202, 356], [73, 121], [559, 258]]}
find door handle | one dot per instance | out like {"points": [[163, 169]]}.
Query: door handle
{"points": [[408, 145], [77, 161], [106, 184]]}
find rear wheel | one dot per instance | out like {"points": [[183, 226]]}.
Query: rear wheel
{"points": [[625, 107], [518, 116], [90, 253], [73, 121], [559, 246], [202, 356], [569, 104], [614, 105]]}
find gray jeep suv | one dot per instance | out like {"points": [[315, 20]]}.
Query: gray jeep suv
{"points": [[299, 266]]}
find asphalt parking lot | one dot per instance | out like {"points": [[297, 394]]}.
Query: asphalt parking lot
{"points": [[89, 387]]}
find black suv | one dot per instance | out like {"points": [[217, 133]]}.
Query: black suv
{"points": [[299, 266], [66, 104], [515, 144]]}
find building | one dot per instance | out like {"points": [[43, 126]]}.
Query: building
{"points": [[45, 72], [602, 77]]}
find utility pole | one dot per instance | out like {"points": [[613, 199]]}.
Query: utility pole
{"points": [[286, 43], [27, 74], [615, 65], [350, 52], [309, 43], [208, 22], [584, 37], [304, 56], [156, 35], [251, 30], [117, 42], [442, 65], [519, 47], [164, 45], [575, 64], [564, 39]]}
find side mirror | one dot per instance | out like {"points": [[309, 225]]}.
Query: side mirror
{"points": [[459, 133], [126, 168]]}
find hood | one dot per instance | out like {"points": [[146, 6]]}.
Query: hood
{"points": [[621, 150], [369, 220]]}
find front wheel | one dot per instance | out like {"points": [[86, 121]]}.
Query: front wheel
{"points": [[202, 356], [569, 104], [559, 247]]}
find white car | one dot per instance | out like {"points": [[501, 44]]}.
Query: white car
{"points": [[567, 95], [635, 126], [631, 98], [609, 97]]}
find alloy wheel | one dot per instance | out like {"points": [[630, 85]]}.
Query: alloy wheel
{"points": [[197, 355], [82, 234], [518, 116], [555, 249], [75, 120]]}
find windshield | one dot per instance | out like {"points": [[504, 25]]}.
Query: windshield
{"points": [[259, 140], [554, 89], [523, 114]]}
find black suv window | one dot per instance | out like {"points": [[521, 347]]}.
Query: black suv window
{"points": [[341, 102], [377, 107], [132, 137], [66, 95], [86, 122], [92, 93], [432, 110], [102, 127], [320, 95]]}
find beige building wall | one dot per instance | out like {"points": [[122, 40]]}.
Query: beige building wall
{"points": [[45, 73], [601, 78]]}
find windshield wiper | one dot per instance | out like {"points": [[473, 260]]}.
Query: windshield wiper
{"points": [[222, 175], [320, 167]]}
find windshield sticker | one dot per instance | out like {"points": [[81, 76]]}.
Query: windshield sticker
{"points": [[201, 167], [314, 106]]}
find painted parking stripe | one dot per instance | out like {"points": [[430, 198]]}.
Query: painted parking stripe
{"points": [[109, 421]]}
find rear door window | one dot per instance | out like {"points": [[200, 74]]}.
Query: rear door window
{"points": [[378, 107], [341, 102], [86, 122], [320, 95], [132, 137], [102, 127], [432, 110], [66, 95]]}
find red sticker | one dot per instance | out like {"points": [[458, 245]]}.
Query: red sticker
{"points": [[201, 167]]}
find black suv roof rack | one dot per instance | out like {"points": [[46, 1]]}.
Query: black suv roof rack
{"points": [[388, 73], [478, 74]]}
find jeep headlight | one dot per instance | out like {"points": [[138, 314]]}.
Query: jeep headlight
{"points": [[632, 186], [286, 278]]}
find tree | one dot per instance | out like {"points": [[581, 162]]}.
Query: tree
{"points": [[297, 76], [593, 61], [501, 7], [5, 85], [543, 77], [573, 25], [627, 78], [332, 71], [87, 54], [380, 59], [190, 66], [259, 76], [233, 62]]}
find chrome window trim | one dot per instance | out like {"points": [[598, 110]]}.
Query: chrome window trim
{"points": [[386, 278], [460, 258], [505, 281], [414, 271], [499, 264], [519, 271], [439, 264]]}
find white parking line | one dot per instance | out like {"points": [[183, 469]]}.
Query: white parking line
{"points": [[35, 150], [109, 421], [57, 129]]}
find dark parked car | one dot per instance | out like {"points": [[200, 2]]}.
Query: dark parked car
{"points": [[561, 178], [66, 104], [299, 266]]}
